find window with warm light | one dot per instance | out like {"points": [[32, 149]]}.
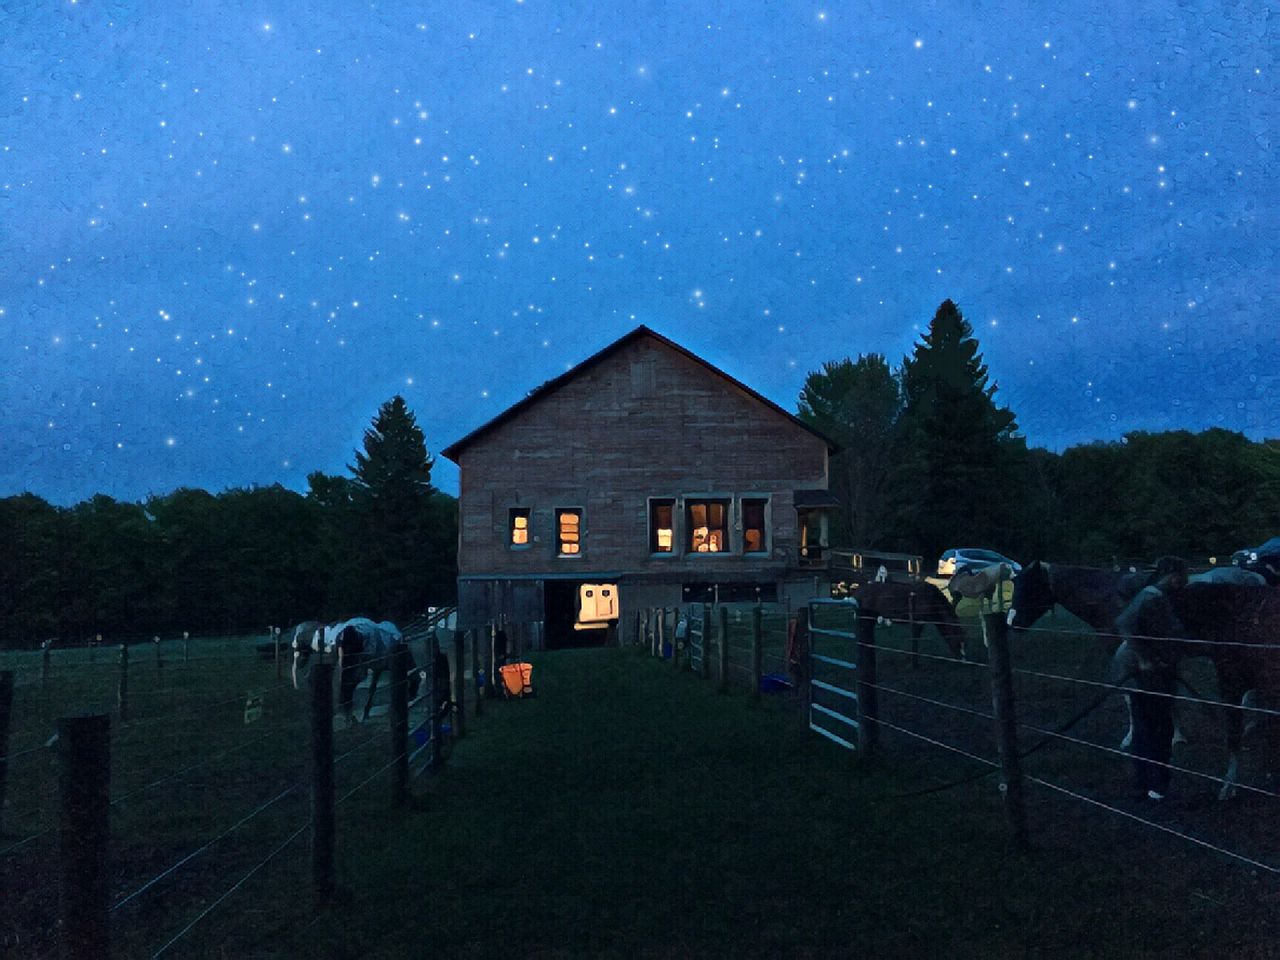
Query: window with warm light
{"points": [[568, 533], [755, 535], [708, 525], [518, 526], [662, 526]]}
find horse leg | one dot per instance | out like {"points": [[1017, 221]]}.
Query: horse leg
{"points": [[1250, 701], [1230, 687], [1178, 736], [374, 674], [1127, 742]]}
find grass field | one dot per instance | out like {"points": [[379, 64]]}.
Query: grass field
{"points": [[628, 810]]}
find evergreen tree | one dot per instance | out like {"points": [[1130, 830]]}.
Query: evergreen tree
{"points": [[959, 453], [856, 404], [400, 515]]}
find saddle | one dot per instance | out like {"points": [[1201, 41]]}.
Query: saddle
{"points": [[979, 582]]}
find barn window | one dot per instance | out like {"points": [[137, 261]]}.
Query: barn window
{"points": [[708, 525], [643, 379], [568, 532], [814, 526], [518, 526], [662, 526], [755, 535]]}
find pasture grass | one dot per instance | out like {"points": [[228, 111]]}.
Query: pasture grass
{"points": [[630, 811]]}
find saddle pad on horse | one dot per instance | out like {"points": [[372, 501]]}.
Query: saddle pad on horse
{"points": [[517, 677], [979, 582]]}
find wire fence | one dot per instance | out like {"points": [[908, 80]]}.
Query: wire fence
{"points": [[208, 770], [1056, 726]]}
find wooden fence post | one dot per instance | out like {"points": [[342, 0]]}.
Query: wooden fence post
{"points": [[705, 667], [186, 647], [45, 663], [660, 633], [475, 667], [678, 647], [275, 635], [122, 691], [84, 747], [911, 621], [723, 650], [757, 641], [802, 645], [399, 712], [868, 699], [459, 685], [159, 658], [322, 802], [6, 712], [438, 686], [491, 660], [996, 630]]}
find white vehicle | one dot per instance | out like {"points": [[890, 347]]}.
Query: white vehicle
{"points": [[966, 558]]}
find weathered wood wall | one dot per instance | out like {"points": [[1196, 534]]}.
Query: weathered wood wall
{"points": [[645, 422]]}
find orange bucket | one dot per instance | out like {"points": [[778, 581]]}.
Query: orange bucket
{"points": [[516, 678]]}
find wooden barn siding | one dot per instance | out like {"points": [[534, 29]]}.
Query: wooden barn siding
{"points": [[591, 444]]}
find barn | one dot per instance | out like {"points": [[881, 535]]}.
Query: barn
{"points": [[644, 476]]}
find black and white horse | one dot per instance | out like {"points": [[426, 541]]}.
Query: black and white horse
{"points": [[362, 646]]}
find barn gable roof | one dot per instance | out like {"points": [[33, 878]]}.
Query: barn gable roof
{"points": [[455, 449]]}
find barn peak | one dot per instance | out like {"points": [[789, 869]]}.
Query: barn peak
{"points": [[454, 450]]}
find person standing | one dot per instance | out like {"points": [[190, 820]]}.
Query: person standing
{"points": [[1144, 624]]}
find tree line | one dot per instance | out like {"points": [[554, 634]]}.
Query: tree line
{"points": [[930, 460], [380, 542]]}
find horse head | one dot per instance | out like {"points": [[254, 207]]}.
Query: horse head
{"points": [[305, 639], [1032, 596], [352, 652]]}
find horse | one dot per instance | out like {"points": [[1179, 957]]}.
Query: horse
{"points": [[914, 603], [361, 645], [1240, 576], [1095, 596], [1237, 627]]}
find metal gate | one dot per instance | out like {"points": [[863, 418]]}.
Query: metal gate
{"points": [[833, 645], [695, 639]]}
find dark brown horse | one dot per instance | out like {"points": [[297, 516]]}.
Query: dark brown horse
{"points": [[915, 603], [1238, 629], [1094, 595]]}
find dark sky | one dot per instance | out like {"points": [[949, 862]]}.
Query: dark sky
{"points": [[228, 231]]}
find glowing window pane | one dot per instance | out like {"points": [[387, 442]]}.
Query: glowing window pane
{"points": [[568, 532], [519, 527]]}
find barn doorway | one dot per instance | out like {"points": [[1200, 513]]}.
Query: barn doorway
{"points": [[562, 599]]}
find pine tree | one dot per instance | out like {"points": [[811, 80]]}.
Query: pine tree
{"points": [[959, 452], [394, 467], [404, 528]]}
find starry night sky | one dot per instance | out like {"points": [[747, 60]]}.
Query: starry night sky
{"points": [[228, 231]]}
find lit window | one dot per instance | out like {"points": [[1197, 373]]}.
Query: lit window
{"points": [[519, 526], [708, 525], [754, 535], [568, 532], [662, 532]]}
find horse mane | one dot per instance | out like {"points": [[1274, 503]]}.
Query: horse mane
{"points": [[1094, 594]]}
